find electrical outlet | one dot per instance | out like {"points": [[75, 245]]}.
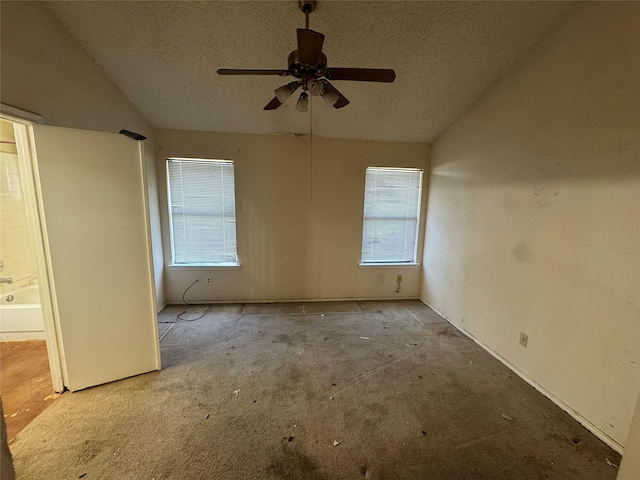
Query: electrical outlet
{"points": [[399, 279], [524, 338], [208, 280], [196, 279], [381, 278]]}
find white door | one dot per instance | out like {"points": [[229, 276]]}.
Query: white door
{"points": [[93, 192]]}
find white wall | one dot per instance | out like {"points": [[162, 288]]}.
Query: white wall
{"points": [[46, 71], [533, 220], [299, 222]]}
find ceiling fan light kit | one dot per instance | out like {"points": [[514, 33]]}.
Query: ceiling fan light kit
{"points": [[309, 65], [285, 91], [303, 102], [330, 97]]}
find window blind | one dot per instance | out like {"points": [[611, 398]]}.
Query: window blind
{"points": [[391, 215], [203, 211]]}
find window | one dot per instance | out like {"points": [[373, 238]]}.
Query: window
{"points": [[391, 215], [202, 211]]}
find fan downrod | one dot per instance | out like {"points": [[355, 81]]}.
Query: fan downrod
{"points": [[307, 6]]}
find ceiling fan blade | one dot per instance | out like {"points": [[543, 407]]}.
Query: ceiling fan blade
{"points": [[342, 101], [309, 46], [361, 74], [273, 104], [231, 71]]}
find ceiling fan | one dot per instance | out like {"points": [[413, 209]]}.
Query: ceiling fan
{"points": [[309, 66]]}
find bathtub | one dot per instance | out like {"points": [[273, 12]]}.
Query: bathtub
{"points": [[21, 319]]}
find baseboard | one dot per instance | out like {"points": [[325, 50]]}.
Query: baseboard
{"points": [[575, 415], [22, 336], [289, 300]]}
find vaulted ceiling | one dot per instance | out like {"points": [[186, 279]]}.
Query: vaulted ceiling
{"points": [[164, 57]]}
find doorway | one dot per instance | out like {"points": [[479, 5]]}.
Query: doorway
{"points": [[86, 207], [27, 386]]}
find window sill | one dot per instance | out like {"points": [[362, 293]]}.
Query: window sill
{"points": [[204, 266], [389, 265]]}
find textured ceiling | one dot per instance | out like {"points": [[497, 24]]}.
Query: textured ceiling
{"points": [[164, 57]]}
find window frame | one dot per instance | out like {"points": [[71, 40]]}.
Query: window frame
{"points": [[415, 261], [209, 265]]}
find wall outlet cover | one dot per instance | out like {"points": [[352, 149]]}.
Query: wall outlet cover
{"points": [[524, 338]]}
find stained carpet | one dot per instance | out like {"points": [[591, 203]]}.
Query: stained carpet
{"points": [[389, 392]]}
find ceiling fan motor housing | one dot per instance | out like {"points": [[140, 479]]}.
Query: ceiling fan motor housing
{"points": [[299, 69]]}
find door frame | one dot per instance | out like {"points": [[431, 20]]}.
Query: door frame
{"points": [[147, 225], [23, 128]]}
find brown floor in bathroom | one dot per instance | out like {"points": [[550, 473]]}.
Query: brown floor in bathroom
{"points": [[25, 383]]}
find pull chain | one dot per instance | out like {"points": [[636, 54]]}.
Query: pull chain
{"points": [[311, 151]]}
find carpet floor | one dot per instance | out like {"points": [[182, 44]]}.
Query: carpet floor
{"points": [[387, 390]]}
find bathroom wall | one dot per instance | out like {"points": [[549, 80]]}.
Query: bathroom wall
{"points": [[15, 242]]}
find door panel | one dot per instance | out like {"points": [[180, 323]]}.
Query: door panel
{"points": [[95, 208]]}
